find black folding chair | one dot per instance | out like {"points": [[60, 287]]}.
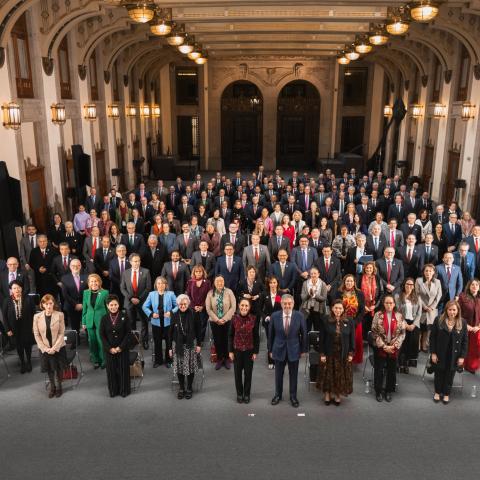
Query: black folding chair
{"points": [[136, 361], [312, 358]]}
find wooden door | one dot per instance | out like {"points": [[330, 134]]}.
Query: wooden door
{"points": [[353, 129], [427, 166], [121, 166], [101, 182], [452, 175], [37, 197]]}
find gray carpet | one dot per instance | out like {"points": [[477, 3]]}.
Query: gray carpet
{"points": [[151, 434]]}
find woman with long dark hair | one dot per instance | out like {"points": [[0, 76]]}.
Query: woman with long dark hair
{"points": [[270, 302], [469, 302], [371, 287]]}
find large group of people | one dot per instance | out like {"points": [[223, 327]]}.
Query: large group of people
{"points": [[354, 259]]}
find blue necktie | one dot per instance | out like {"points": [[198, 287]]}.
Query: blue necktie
{"points": [[304, 262]]}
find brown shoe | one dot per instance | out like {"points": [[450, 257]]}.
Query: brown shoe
{"points": [[51, 393], [58, 391]]}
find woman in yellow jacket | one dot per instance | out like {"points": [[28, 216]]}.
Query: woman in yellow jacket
{"points": [[94, 308]]}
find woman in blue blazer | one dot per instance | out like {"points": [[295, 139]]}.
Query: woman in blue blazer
{"points": [[158, 307]]}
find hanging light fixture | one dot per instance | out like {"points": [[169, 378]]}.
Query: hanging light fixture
{"points": [[90, 112], [113, 111], [58, 113], [378, 37], [351, 54], [439, 110], [155, 110], [131, 111], [187, 46], [342, 59], [141, 12], [468, 111], [397, 24], [417, 110], [11, 116], [162, 24], [423, 11], [363, 46], [202, 60], [387, 111], [145, 110], [177, 36], [197, 52]]}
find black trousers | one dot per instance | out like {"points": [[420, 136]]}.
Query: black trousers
{"points": [[159, 334], [384, 365], [314, 321], [202, 317], [220, 339], [24, 351], [292, 377], [243, 365], [135, 313], [443, 381], [266, 327], [181, 381], [74, 319]]}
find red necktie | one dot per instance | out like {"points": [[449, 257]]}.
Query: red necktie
{"points": [[409, 255], [392, 240], [327, 265], [134, 283], [256, 254], [65, 263], [389, 271], [476, 245], [174, 270], [94, 246]]}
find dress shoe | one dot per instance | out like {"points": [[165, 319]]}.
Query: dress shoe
{"points": [[227, 363], [379, 397], [445, 402], [337, 403], [51, 392], [388, 397], [29, 366], [276, 400], [294, 402], [218, 365], [327, 402], [246, 399], [96, 366], [239, 399], [271, 366], [188, 394], [58, 391], [23, 368], [180, 394], [436, 400]]}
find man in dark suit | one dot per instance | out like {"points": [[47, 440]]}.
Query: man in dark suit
{"points": [[253, 211], [352, 264], [116, 269], [12, 272], [285, 272], [363, 210], [205, 258], [172, 199], [40, 261], [304, 200], [142, 192], [428, 252], [147, 212], [450, 277], [135, 286], [186, 243], [453, 232], [439, 216], [73, 285], [101, 260], [411, 228], [287, 342], [426, 203], [61, 264], [390, 271], [316, 241], [330, 270], [235, 238], [93, 201], [176, 273], [474, 247], [376, 242], [397, 210], [205, 201], [304, 258], [154, 257], [184, 210], [412, 203], [106, 205], [411, 256], [277, 242], [133, 241], [220, 199], [230, 266]]}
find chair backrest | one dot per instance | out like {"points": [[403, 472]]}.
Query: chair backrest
{"points": [[135, 345], [313, 339], [371, 339], [71, 339]]}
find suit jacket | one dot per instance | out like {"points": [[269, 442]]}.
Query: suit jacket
{"points": [[154, 263], [469, 265], [452, 288], [334, 275], [71, 295], [213, 243], [328, 335], [297, 258], [412, 267], [289, 278], [273, 247], [57, 328], [150, 306], [144, 285], [396, 276], [382, 245], [240, 243], [87, 252], [57, 269], [430, 297], [114, 275], [287, 345], [399, 240], [365, 215], [448, 350], [415, 230], [172, 204], [380, 334], [184, 216], [263, 264], [75, 243], [101, 262], [138, 243], [232, 278], [179, 283], [22, 329], [186, 251], [394, 213], [453, 238], [424, 258], [93, 204], [209, 262], [43, 281], [168, 241], [349, 265], [25, 248], [471, 242], [21, 276], [91, 316]]}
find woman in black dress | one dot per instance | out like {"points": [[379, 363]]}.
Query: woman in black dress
{"points": [[56, 231], [73, 239], [185, 334], [337, 346], [251, 289], [115, 333], [440, 240], [18, 312]]}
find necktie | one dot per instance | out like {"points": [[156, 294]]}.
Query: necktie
{"points": [[105, 251], [77, 282], [287, 324], [463, 266], [392, 239], [65, 263], [398, 208], [279, 241], [409, 254], [282, 269], [185, 238], [173, 198], [304, 260], [32, 243], [122, 267], [344, 246], [306, 202], [174, 270], [232, 239], [389, 271], [229, 264], [131, 240], [428, 252], [327, 265], [12, 277], [257, 256], [452, 228], [94, 247], [449, 274], [375, 240], [134, 283], [476, 245]]}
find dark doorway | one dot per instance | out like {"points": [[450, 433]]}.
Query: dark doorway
{"points": [[242, 107], [352, 135], [298, 125]]}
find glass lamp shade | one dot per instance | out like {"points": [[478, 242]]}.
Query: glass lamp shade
{"points": [[131, 111], [197, 53], [114, 111], [397, 26], [387, 111], [439, 110], [378, 38], [352, 55], [201, 60], [58, 114], [11, 116], [161, 28], [186, 48], [343, 60], [468, 111], [145, 110], [141, 13], [90, 112], [363, 47], [176, 39], [417, 110], [155, 111], [423, 11]]}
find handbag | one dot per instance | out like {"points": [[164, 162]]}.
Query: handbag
{"points": [[213, 354], [136, 369], [70, 373]]}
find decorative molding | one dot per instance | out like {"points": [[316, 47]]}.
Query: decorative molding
{"points": [[424, 81], [125, 80], [82, 72], [106, 76], [476, 71], [2, 56], [47, 64], [270, 76], [448, 76]]}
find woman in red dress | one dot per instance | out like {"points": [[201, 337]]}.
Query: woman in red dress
{"points": [[470, 304], [354, 304], [288, 230]]}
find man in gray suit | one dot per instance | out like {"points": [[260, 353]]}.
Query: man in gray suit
{"points": [[27, 243], [90, 246], [258, 256], [304, 258], [135, 287], [205, 258]]}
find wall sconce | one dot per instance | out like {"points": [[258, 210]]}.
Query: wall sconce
{"points": [[417, 110], [113, 111], [131, 111], [145, 110], [439, 110], [468, 111], [90, 112], [387, 111], [155, 110], [59, 116], [11, 115]]}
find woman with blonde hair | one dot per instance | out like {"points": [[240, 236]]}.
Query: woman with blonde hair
{"points": [[49, 331], [93, 310], [104, 223], [267, 221], [197, 290], [467, 223], [448, 349]]}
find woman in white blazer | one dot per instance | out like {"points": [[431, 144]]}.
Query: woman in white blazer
{"points": [[429, 289]]}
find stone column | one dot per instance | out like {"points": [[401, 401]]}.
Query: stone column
{"points": [[166, 102], [269, 141], [420, 133]]}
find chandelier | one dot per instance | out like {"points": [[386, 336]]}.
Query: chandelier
{"points": [[196, 53], [397, 24], [11, 115], [423, 11], [363, 46], [342, 59], [177, 36], [201, 60], [351, 54], [378, 37], [187, 46], [58, 114], [162, 24], [141, 12]]}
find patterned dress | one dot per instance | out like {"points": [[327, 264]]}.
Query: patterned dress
{"points": [[351, 305], [184, 363]]}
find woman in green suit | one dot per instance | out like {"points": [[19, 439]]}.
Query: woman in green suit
{"points": [[94, 308]]}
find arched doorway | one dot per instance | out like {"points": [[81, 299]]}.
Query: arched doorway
{"points": [[242, 107], [298, 125]]}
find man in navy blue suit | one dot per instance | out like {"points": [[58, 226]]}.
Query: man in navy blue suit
{"points": [[453, 232], [287, 342], [450, 277], [230, 268]]}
